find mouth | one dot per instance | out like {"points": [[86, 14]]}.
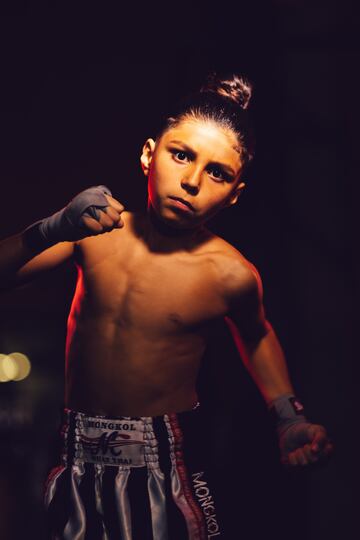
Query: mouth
{"points": [[183, 202]]}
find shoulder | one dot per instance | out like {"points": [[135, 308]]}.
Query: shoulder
{"points": [[237, 276]]}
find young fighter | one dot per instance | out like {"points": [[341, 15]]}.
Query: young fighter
{"points": [[149, 288]]}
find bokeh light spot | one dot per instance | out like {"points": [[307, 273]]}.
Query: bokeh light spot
{"points": [[3, 375], [23, 365], [10, 367], [14, 367]]}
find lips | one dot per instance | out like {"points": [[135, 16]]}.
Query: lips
{"points": [[184, 202]]}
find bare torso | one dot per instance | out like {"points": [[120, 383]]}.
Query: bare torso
{"points": [[139, 322]]}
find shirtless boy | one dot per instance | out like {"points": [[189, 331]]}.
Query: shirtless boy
{"points": [[149, 288]]}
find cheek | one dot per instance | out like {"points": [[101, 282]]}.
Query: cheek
{"points": [[215, 202], [160, 173], [152, 186], [155, 183]]}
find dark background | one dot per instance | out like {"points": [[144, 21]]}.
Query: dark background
{"points": [[81, 90]]}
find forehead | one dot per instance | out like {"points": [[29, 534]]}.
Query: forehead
{"points": [[207, 138]]}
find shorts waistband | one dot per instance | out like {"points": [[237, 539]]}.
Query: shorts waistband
{"points": [[123, 441], [67, 410]]}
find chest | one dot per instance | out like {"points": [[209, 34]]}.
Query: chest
{"points": [[154, 292]]}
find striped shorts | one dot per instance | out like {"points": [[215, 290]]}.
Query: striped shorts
{"points": [[132, 478]]}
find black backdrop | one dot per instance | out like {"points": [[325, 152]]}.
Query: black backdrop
{"points": [[81, 90]]}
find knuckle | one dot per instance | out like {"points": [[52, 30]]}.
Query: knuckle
{"points": [[105, 221], [115, 215]]}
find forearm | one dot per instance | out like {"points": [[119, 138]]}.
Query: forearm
{"points": [[265, 361], [14, 253]]}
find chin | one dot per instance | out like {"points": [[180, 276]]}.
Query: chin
{"points": [[176, 223], [172, 220]]}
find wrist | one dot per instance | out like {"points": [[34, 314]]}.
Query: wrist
{"points": [[33, 237], [286, 410]]}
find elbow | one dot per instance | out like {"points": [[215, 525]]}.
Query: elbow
{"points": [[247, 340], [251, 341], [253, 337], [268, 327]]}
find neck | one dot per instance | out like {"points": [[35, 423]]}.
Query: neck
{"points": [[161, 236]]}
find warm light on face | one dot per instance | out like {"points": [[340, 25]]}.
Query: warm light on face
{"points": [[198, 161], [211, 144]]}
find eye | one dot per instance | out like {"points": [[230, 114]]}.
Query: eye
{"points": [[180, 155], [218, 174]]}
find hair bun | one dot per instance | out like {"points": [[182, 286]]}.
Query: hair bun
{"points": [[236, 88]]}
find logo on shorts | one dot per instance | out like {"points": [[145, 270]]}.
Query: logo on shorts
{"points": [[119, 426], [107, 442], [110, 442], [207, 504]]}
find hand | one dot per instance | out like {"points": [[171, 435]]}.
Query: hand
{"points": [[304, 444], [106, 219], [93, 211]]}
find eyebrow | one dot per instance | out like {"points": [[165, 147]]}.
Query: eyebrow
{"points": [[227, 168]]}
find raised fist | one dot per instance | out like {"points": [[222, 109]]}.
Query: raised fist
{"points": [[93, 211]]}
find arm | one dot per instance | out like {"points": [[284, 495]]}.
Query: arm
{"points": [[265, 361], [300, 441], [50, 241], [255, 338], [20, 263]]}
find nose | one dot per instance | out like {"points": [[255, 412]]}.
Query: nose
{"points": [[192, 182]]}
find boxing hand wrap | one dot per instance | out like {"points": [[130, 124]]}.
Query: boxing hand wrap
{"points": [[291, 423], [66, 224]]}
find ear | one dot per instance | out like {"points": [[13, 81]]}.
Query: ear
{"points": [[236, 194], [147, 154]]}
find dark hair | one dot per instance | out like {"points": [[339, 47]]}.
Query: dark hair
{"points": [[222, 100]]}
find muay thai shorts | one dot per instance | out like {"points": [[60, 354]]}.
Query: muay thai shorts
{"points": [[132, 478]]}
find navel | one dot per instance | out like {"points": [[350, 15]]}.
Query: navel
{"points": [[175, 318]]}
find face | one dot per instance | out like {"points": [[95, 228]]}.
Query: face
{"points": [[198, 162]]}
